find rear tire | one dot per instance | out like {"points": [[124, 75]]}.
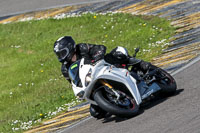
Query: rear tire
{"points": [[106, 105], [167, 85]]}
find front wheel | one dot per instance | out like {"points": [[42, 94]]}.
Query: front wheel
{"points": [[123, 106]]}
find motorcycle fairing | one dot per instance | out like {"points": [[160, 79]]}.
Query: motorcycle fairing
{"points": [[104, 70], [110, 72]]}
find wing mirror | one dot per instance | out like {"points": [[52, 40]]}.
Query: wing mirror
{"points": [[136, 51]]}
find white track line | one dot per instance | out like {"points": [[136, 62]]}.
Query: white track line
{"points": [[187, 65]]}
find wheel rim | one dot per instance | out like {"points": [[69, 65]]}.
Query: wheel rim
{"points": [[166, 79], [124, 101]]}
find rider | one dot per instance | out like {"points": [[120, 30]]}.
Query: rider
{"points": [[68, 52]]}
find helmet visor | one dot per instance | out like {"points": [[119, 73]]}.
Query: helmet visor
{"points": [[62, 54]]}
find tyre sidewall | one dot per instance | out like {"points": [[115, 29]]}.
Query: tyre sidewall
{"points": [[113, 109], [168, 89]]}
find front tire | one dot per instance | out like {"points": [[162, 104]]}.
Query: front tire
{"points": [[112, 108]]}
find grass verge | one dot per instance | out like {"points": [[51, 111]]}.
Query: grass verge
{"points": [[31, 84]]}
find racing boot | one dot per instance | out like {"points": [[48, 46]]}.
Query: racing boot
{"points": [[98, 113]]}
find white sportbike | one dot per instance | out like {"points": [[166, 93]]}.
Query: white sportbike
{"points": [[118, 90]]}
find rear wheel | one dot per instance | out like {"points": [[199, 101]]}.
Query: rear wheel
{"points": [[116, 102], [166, 82]]}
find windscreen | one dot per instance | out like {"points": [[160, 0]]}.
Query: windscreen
{"points": [[74, 73]]}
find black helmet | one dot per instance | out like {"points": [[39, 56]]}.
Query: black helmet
{"points": [[64, 48], [120, 53]]}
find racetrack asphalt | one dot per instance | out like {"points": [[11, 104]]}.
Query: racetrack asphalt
{"points": [[176, 114], [13, 7]]}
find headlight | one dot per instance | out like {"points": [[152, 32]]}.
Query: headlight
{"points": [[88, 77]]}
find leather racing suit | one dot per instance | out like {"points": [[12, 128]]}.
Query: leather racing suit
{"points": [[90, 52]]}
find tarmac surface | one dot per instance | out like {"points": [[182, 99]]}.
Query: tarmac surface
{"points": [[176, 114], [12, 7]]}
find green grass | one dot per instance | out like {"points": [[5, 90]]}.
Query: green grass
{"points": [[30, 79]]}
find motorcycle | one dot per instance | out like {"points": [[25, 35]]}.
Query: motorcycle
{"points": [[118, 90]]}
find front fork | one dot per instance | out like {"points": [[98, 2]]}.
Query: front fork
{"points": [[110, 89], [106, 84]]}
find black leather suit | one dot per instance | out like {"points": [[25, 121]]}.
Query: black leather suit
{"points": [[90, 52]]}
